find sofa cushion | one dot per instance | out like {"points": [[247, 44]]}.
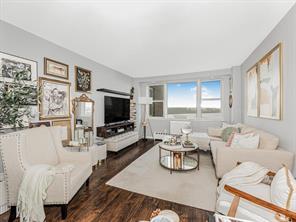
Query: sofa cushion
{"points": [[245, 141], [39, 147], [247, 210], [215, 132], [283, 189], [267, 140]]}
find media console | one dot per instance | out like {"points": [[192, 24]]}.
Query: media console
{"points": [[118, 136]]}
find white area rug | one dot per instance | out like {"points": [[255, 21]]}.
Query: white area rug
{"points": [[193, 188]]}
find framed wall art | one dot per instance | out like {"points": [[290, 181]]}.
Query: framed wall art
{"points": [[66, 124], [82, 79], [270, 84], [252, 92], [56, 69], [55, 99], [39, 124], [10, 65]]}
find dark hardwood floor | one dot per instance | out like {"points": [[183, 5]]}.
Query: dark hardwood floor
{"points": [[104, 203]]}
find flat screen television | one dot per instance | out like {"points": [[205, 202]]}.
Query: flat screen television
{"points": [[116, 109]]}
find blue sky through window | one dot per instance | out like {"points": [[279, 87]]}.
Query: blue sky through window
{"points": [[211, 89], [182, 94]]}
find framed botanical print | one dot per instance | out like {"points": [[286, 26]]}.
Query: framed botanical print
{"points": [[270, 84], [66, 132], [56, 69], [10, 65], [252, 92], [82, 79], [54, 98]]}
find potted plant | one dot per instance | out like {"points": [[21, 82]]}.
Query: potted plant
{"points": [[16, 99]]}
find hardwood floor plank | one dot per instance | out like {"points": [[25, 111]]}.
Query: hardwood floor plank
{"points": [[103, 203]]}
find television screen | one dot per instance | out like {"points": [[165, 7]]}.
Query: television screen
{"points": [[116, 109]]}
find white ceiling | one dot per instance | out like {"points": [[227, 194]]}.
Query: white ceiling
{"points": [[149, 38]]}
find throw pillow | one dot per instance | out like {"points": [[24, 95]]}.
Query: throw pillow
{"points": [[215, 132], [247, 141], [283, 189], [227, 132], [237, 125], [229, 141]]}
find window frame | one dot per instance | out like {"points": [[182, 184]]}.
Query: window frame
{"points": [[204, 116], [167, 97], [198, 115], [163, 101]]}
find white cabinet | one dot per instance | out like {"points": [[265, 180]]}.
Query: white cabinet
{"points": [[116, 143]]}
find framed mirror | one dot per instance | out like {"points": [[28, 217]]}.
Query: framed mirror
{"points": [[83, 110]]}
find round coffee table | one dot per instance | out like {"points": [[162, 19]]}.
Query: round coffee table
{"points": [[176, 158]]}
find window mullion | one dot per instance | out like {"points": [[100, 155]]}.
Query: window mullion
{"points": [[198, 99], [165, 101]]}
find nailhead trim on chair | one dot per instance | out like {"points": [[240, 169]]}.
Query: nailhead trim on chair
{"points": [[17, 137], [66, 194]]}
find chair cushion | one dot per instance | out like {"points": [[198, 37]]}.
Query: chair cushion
{"points": [[247, 210], [39, 147], [267, 140], [283, 189]]}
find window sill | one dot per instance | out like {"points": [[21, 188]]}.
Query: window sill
{"points": [[184, 119]]}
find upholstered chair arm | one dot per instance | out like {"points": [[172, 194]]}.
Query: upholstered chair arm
{"points": [[255, 200], [59, 192], [67, 156], [74, 157], [14, 163], [227, 158]]}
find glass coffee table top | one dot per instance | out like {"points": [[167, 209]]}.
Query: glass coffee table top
{"points": [[177, 158], [188, 163]]}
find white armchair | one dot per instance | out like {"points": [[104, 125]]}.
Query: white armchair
{"points": [[43, 145]]}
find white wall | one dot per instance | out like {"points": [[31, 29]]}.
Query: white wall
{"points": [[284, 32], [233, 115]]}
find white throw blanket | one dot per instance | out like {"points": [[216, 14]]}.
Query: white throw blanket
{"points": [[247, 173], [32, 192]]}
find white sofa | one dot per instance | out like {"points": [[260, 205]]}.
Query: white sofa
{"points": [[20, 150], [268, 153]]}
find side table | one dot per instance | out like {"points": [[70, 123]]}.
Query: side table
{"points": [[98, 152]]}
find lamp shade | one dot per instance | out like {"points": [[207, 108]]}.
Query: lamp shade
{"points": [[145, 100]]}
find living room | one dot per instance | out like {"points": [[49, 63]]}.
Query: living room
{"points": [[147, 111]]}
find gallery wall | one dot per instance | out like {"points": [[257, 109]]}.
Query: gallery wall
{"points": [[18, 42], [284, 32]]}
